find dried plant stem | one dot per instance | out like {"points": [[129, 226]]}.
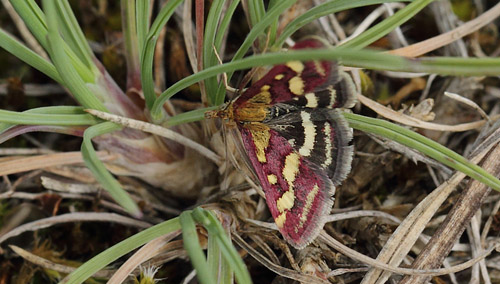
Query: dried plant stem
{"points": [[158, 130], [148, 251], [380, 265], [412, 121], [460, 215], [441, 40], [74, 217], [45, 263], [44, 161]]}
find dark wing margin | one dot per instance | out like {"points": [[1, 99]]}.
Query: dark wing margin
{"points": [[299, 194], [337, 92], [322, 136]]}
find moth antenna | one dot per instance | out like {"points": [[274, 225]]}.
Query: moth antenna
{"points": [[224, 75], [225, 186]]}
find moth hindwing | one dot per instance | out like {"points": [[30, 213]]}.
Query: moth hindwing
{"points": [[296, 140]]}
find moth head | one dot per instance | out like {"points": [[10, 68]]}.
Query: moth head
{"points": [[225, 112]]}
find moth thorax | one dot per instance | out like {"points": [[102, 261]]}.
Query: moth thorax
{"points": [[251, 112], [225, 113]]}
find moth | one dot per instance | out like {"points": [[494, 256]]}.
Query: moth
{"points": [[296, 139]]}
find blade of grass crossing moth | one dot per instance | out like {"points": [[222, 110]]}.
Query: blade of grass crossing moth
{"points": [[213, 226], [193, 248], [322, 10], [358, 57], [386, 26], [122, 248], [422, 144], [102, 175], [271, 16], [368, 59], [22, 52]]}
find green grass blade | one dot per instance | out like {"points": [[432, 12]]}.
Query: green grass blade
{"points": [[19, 50], [256, 11], [124, 247], [357, 58], [273, 29], [193, 248], [271, 17], [322, 10], [215, 229], [190, 116], [55, 110], [424, 145], [12, 117], [102, 175], [73, 34], [131, 39], [68, 72], [214, 259], [211, 29], [224, 24], [142, 10], [387, 25], [34, 19], [148, 85]]}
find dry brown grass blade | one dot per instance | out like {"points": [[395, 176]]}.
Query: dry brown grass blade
{"points": [[45, 263], [405, 236], [71, 218], [148, 251], [460, 215], [404, 271], [24, 164], [285, 272], [411, 121], [441, 40]]}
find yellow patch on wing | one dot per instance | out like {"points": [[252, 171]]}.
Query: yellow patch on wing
{"points": [[272, 179], [312, 100], [265, 88], [328, 145], [333, 96], [296, 85], [264, 97], [286, 201], [261, 135], [319, 68], [309, 134], [279, 77], [280, 220], [296, 66], [309, 201], [256, 108], [291, 168]]}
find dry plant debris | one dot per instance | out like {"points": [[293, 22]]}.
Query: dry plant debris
{"points": [[393, 216]]}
